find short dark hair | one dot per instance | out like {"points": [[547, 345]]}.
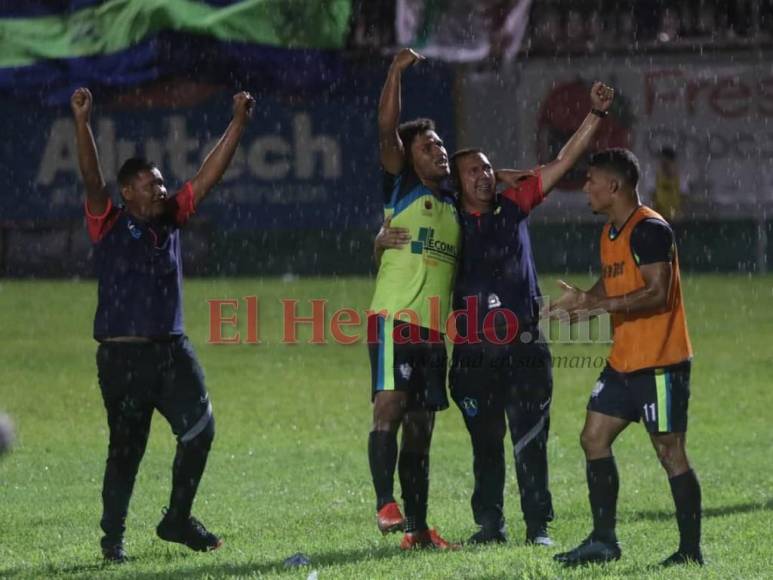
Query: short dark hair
{"points": [[410, 129], [454, 162], [620, 161], [131, 167], [668, 153]]}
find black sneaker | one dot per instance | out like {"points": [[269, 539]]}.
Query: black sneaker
{"points": [[115, 553], [680, 558], [189, 532], [488, 536], [538, 535], [590, 551]]}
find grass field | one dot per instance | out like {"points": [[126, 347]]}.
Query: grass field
{"points": [[288, 472]]}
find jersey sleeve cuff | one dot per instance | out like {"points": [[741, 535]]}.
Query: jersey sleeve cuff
{"points": [[528, 193], [104, 214], [186, 203]]}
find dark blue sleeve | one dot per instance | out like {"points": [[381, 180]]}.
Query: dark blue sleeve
{"points": [[396, 186], [652, 240], [389, 184]]}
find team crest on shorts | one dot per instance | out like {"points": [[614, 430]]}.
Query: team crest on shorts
{"points": [[597, 388], [494, 301], [405, 371], [135, 232], [470, 406]]}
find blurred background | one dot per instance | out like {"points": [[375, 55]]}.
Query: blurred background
{"points": [[694, 84]]}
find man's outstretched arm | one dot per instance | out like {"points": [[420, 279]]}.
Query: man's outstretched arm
{"points": [[650, 298], [601, 97], [391, 150], [217, 161], [97, 196]]}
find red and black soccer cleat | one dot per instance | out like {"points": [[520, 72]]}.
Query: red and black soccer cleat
{"points": [[390, 518], [426, 539]]}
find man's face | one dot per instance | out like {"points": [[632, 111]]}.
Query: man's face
{"points": [[476, 180], [146, 195], [430, 159], [600, 186]]}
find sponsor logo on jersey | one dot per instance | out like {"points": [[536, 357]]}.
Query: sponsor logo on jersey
{"points": [[612, 270], [433, 248]]}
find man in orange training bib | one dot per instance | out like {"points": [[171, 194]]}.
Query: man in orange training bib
{"points": [[648, 371]]}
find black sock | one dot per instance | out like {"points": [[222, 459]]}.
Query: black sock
{"points": [[414, 479], [687, 498], [382, 453], [603, 485]]}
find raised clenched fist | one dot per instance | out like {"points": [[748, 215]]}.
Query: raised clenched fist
{"points": [[601, 96], [81, 102], [244, 103]]}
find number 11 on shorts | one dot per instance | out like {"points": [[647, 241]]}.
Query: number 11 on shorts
{"points": [[650, 412]]}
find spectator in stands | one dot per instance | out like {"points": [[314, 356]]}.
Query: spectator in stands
{"points": [[670, 23], [667, 195], [575, 30]]}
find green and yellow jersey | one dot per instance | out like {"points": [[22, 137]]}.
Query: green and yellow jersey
{"points": [[412, 277]]}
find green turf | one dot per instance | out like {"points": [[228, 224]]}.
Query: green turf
{"points": [[289, 473]]}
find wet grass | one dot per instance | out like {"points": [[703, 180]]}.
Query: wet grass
{"points": [[288, 472]]}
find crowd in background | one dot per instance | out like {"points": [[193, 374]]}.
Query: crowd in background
{"points": [[586, 26], [594, 25]]}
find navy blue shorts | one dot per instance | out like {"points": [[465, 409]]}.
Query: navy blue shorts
{"points": [[659, 396], [419, 368]]}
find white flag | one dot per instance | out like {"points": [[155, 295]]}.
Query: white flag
{"points": [[460, 30]]}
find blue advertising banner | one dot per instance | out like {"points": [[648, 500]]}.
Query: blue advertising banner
{"points": [[305, 161]]}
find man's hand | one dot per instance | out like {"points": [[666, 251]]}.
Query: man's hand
{"points": [[601, 96], [513, 177], [80, 103], [406, 58], [390, 238], [573, 301], [244, 104]]}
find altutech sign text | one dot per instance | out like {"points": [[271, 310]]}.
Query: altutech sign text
{"points": [[303, 163]]}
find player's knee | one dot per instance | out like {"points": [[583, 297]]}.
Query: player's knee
{"points": [[388, 425], [484, 447], [388, 412], [386, 418], [128, 454], [673, 458], [202, 440], [417, 434], [593, 445]]}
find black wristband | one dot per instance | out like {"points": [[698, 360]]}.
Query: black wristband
{"points": [[599, 113]]}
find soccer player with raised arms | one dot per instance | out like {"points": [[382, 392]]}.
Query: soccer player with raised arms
{"points": [[144, 359], [648, 371], [408, 359]]}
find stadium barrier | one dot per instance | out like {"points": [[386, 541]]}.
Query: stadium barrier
{"points": [[737, 246]]}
